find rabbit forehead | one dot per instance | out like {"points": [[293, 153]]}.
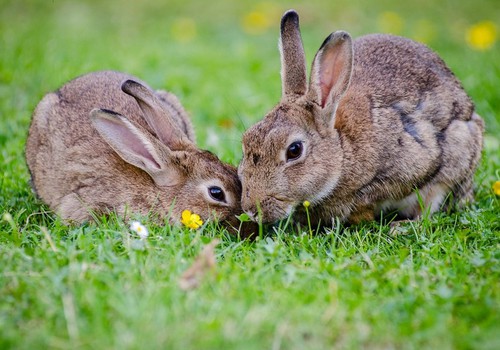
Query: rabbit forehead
{"points": [[205, 167], [275, 131]]}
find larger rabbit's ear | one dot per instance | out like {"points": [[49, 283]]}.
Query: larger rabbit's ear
{"points": [[330, 75], [293, 59], [157, 116], [135, 146]]}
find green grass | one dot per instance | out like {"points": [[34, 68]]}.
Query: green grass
{"points": [[97, 287]]}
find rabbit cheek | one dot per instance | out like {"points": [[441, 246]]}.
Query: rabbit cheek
{"points": [[316, 176], [274, 209], [324, 186]]}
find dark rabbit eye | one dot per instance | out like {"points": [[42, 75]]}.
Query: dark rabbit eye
{"points": [[217, 193], [294, 151]]}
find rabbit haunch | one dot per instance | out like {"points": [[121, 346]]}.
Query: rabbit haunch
{"points": [[93, 148], [381, 123]]}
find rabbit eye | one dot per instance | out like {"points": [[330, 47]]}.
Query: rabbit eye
{"points": [[294, 151], [217, 193]]}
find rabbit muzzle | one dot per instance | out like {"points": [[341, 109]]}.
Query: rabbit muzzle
{"points": [[269, 209]]}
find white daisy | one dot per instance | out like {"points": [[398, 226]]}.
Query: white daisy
{"points": [[140, 229]]}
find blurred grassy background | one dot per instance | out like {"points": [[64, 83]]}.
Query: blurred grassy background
{"points": [[220, 57], [436, 288]]}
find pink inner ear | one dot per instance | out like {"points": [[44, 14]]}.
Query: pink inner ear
{"points": [[135, 145], [331, 69], [125, 142]]}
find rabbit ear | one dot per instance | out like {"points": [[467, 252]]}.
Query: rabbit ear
{"points": [[156, 115], [134, 146], [331, 74], [293, 59]]}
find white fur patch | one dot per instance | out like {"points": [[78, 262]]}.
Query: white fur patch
{"points": [[432, 197], [326, 190]]}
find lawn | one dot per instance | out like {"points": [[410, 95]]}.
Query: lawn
{"points": [[98, 286]]}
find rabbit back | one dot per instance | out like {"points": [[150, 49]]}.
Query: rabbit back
{"points": [[421, 135], [72, 168]]}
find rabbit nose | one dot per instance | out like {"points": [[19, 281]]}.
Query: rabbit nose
{"points": [[251, 211], [252, 215], [250, 207]]}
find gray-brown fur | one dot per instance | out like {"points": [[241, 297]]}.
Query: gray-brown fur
{"points": [[388, 119], [78, 170]]}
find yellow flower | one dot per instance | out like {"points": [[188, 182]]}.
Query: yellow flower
{"points": [[482, 35], [191, 220], [255, 22], [306, 204], [183, 30], [390, 22], [496, 188], [264, 16]]}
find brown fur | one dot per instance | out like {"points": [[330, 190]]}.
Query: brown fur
{"points": [[77, 172], [381, 118]]}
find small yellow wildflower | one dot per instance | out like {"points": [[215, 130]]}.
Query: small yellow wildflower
{"points": [[140, 229], [255, 22], [183, 30], [390, 22], [496, 188], [306, 204], [191, 220], [482, 35], [263, 16]]}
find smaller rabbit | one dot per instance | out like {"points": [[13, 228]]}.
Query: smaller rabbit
{"points": [[383, 125], [106, 142]]}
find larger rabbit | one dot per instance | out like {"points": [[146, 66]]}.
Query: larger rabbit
{"points": [[382, 125], [93, 148]]}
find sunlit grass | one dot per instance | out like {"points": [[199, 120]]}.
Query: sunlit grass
{"points": [[435, 285]]}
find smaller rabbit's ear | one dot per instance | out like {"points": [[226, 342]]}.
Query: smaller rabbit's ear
{"points": [[293, 58], [135, 146], [331, 74], [157, 116]]}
